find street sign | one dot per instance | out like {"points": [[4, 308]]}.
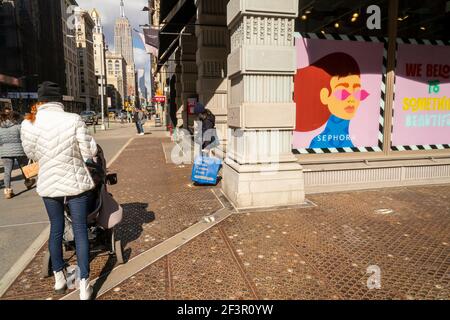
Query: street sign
{"points": [[160, 99], [191, 103]]}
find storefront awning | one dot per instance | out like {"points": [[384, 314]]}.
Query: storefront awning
{"points": [[173, 22]]}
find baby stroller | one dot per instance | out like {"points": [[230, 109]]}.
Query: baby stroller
{"points": [[101, 240]]}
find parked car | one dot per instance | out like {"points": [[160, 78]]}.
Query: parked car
{"points": [[89, 117], [114, 110]]}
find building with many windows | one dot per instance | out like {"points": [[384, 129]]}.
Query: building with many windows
{"points": [[30, 37], [73, 101], [123, 44], [85, 48], [116, 71], [99, 54]]}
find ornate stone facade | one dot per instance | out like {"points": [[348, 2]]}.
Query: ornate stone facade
{"points": [[260, 169], [213, 46], [188, 46]]}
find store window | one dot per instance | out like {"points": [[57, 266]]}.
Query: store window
{"points": [[346, 100], [340, 80], [421, 108], [424, 19]]}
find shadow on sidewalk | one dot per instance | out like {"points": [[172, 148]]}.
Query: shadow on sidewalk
{"points": [[24, 191], [219, 179], [135, 215], [15, 179]]}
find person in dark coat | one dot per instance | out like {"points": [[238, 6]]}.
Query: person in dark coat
{"points": [[208, 133], [138, 117], [11, 148]]}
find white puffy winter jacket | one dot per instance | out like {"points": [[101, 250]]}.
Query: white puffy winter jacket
{"points": [[60, 143]]}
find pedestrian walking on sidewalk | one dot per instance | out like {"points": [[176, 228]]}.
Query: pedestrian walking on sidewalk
{"points": [[11, 149], [129, 117], [59, 141], [122, 116], [139, 120]]}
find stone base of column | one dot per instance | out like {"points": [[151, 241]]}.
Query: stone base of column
{"points": [[263, 186], [220, 151]]}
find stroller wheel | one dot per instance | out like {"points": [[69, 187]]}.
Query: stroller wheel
{"points": [[118, 251], [46, 265]]}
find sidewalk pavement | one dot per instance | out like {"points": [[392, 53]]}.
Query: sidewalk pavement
{"points": [[23, 218], [330, 249]]}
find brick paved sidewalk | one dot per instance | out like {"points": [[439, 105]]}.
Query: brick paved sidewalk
{"points": [[320, 252], [314, 253], [158, 200]]}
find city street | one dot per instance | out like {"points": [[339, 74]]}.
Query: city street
{"points": [[23, 218], [296, 150], [326, 249]]}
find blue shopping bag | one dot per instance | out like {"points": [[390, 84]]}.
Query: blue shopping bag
{"points": [[205, 170]]}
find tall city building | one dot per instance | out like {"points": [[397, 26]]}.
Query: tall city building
{"points": [[155, 78], [10, 64], [99, 53], [30, 37], [116, 70], [123, 43], [85, 44]]}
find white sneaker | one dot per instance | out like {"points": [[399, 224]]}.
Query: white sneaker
{"points": [[85, 290], [141, 134], [60, 282]]}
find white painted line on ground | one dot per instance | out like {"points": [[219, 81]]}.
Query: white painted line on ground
{"points": [[23, 261], [24, 224], [217, 197], [164, 146], [145, 259], [119, 152]]}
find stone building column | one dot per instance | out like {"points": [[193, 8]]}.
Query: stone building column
{"points": [[213, 47], [178, 89], [188, 45], [260, 169]]}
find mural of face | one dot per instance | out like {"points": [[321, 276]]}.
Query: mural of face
{"points": [[345, 97]]}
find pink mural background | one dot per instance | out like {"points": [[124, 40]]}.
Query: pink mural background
{"points": [[364, 128], [417, 87]]}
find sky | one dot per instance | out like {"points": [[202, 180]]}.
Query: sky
{"points": [[109, 10]]}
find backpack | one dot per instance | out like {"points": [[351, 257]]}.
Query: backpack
{"points": [[211, 117]]}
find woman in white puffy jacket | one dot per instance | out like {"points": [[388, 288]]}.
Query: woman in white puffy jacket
{"points": [[60, 143]]}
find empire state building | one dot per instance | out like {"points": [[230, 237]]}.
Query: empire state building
{"points": [[123, 43]]}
